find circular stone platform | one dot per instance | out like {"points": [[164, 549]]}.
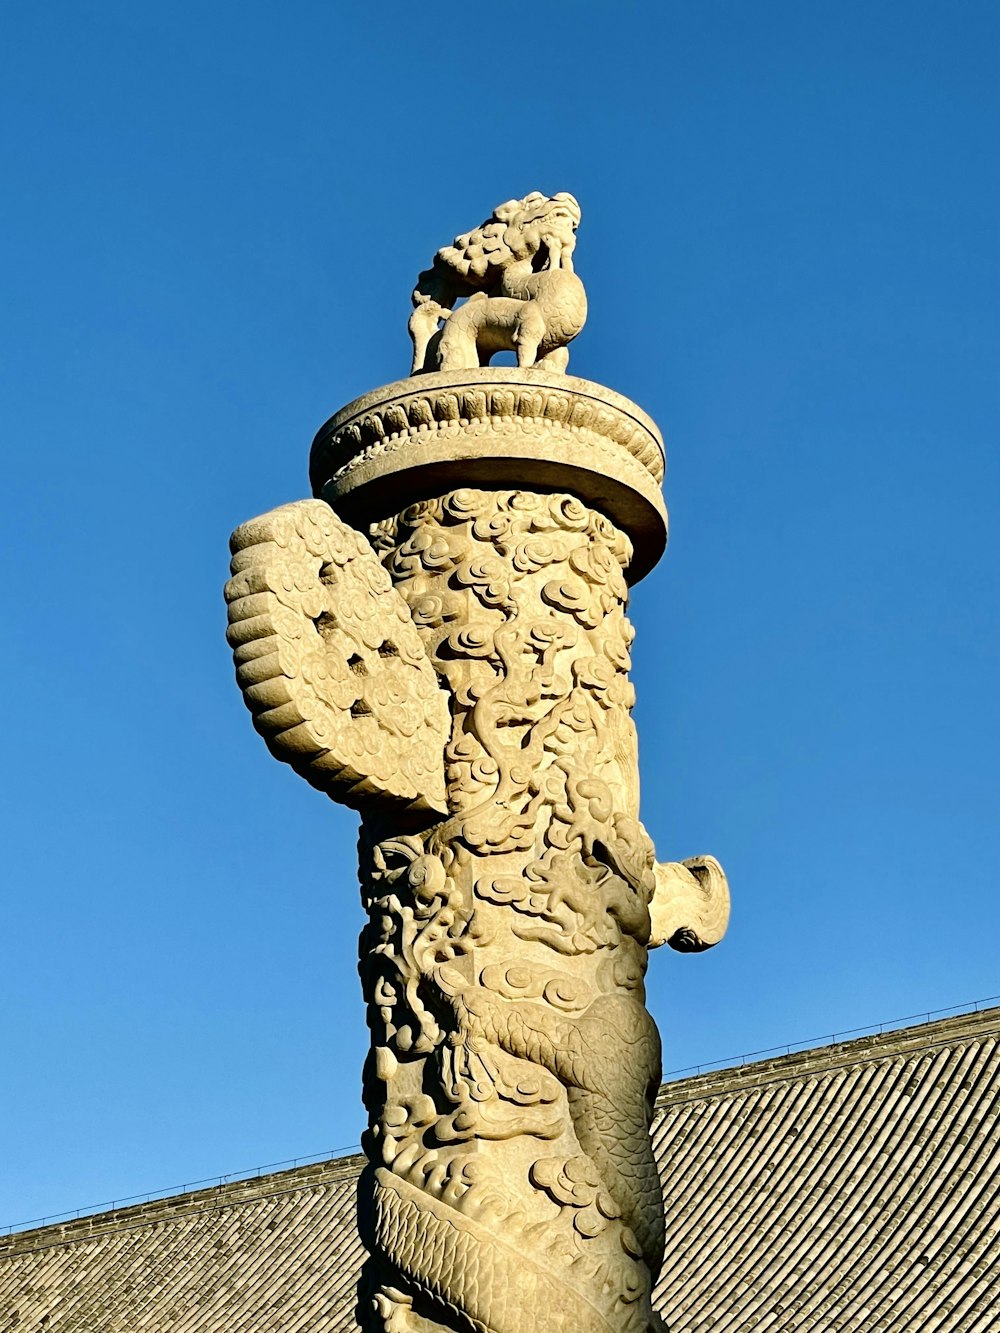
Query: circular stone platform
{"points": [[496, 428]]}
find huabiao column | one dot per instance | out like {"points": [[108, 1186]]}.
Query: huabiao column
{"points": [[439, 639]]}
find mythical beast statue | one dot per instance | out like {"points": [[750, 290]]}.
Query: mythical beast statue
{"points": [[452, 660], [517, 271]]}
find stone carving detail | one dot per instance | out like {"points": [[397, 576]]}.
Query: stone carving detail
{"points": [[500, 409], [499, 428], [329, 662], [523, 296], [460, 675], [690, 906], [514, 1063]]}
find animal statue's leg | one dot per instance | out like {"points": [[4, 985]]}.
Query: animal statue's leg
{"points": [[529, 333], [458, 348], [423, 328], [557, 360]]}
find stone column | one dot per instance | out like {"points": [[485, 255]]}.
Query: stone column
{"points": [[440, 639]]}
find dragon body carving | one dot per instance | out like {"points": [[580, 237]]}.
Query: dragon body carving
{"points": [[514, 1064]]}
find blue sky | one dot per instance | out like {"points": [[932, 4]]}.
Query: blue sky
{"points": [[213, 218]]}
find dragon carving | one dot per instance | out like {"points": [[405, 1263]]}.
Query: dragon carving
{"points": [[513, 1067], [457, 670]]}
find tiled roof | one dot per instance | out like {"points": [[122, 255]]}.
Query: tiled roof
{"points": [[854, 1187], [278, 1252], [850, 1189]]}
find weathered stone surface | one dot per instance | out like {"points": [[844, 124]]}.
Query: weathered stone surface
{"points": [[514, 1061], [511, 897], [690, 905], [329, 662], [848, 1188]]}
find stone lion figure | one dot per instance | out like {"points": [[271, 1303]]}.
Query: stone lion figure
{"points": [[517, 272]]}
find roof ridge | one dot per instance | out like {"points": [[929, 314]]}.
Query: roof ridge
{"points": [[172, 1206], [817, 1059]]}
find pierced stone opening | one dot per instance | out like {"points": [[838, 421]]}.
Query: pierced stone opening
{"points": [[387, 649], [357, 665], [325, 624], [360, 709]]}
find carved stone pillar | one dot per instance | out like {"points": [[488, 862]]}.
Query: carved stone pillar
{"points": [[440, 639]]}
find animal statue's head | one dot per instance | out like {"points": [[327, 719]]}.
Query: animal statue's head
{"points": [[540, 225]]}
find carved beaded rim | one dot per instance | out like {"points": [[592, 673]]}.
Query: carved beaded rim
{"points": [[452, 400]]}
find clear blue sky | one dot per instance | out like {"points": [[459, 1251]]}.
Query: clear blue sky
{"points": [[213, 217]]}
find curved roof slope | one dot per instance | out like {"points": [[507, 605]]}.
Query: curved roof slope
{"points": [[850, 1189], [854, 1187], [278, 1252]]}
